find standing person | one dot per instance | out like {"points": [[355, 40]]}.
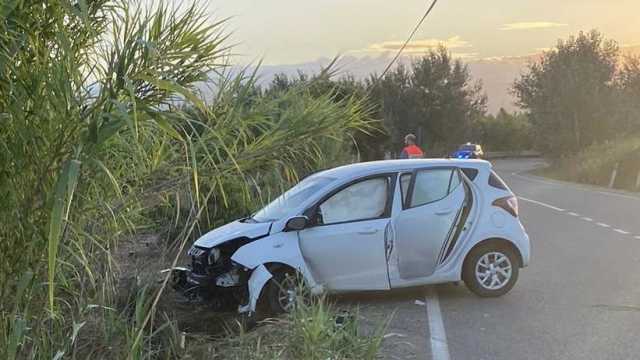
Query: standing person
{"points": [[411, 150]]}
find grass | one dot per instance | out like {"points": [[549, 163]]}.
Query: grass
{"points": [[314, 331], [595, 164]]}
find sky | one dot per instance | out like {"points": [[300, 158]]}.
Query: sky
{"points": [[290, 32]]}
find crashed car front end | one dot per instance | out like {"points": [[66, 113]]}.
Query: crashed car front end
{"points": [[212, 278], [230, 265]]}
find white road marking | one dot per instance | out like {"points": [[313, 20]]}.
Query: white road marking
{"points": [[637, 237], [575, 186], [541, 204], [619, 231], [439, 347]]}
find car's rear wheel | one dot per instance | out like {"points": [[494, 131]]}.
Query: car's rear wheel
{"points": [[490, 270]]}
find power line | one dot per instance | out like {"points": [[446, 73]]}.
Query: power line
{"points": [[415, 29]]}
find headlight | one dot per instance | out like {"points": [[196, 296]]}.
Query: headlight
{"points": [[195, 251], [214, 256]]}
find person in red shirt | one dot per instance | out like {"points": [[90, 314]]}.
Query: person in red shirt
{"points": [[411, 150]]}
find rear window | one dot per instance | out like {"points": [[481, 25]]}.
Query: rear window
{"points": [[497, 182], [433, 185], [470, 173]]}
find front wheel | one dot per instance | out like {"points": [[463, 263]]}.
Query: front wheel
{"points": [[282, 292], [490, 270]]}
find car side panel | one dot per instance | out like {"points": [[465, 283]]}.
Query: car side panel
{"points": [[282, 247]]}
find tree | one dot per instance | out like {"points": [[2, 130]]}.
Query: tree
{"points": [[435, 97], [567, 94], [628, 99], [503, 132]]}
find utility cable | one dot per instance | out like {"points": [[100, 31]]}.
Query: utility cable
{"points": [[404, 45]]}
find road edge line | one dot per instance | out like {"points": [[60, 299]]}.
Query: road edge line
{"points": [[541, 204], [575, 185], [437, 333]]}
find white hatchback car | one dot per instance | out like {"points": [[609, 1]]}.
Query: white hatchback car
{"points": [[368, 226]]}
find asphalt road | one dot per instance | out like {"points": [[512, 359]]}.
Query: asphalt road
{"points": [[578, 299]]}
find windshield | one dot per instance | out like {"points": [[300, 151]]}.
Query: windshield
{"points": [[291, 199], [467, 148]]}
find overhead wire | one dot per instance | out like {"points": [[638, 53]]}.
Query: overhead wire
{"points": [[404, 45]]}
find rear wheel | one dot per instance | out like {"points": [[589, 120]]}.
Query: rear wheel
{"points": [[490, 270]]}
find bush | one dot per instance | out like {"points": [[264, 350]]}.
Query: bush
{"points": [[595, 164]]}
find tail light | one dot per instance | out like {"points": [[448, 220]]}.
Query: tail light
{"points": [[509, 204]]}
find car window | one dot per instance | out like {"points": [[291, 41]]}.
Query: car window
{"points": [[433, 185], [454, 181], [470, 173], [497, 182], [405, 181], [363, 200]]}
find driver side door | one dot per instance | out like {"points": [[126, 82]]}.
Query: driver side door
{"points": [[344, 246]]}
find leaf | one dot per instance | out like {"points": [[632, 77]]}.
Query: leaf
{"points": [[76, 330], [18, 328], [165, 125], [176, 88], [25, 280], [62, 196], [112, 178]]}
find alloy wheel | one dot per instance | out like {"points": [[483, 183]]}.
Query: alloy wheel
{"points": [[493, 270]]}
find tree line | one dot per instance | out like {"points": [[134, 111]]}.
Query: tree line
{"points": [[582, 92]]}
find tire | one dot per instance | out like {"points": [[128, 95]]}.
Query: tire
{"points": [[283, 284], [491, 270]]}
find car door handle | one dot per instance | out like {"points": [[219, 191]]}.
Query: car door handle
{"points": [[444, 211], [368, 232]]}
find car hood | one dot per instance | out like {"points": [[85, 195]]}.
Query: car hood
{"points": [[233, 230]]}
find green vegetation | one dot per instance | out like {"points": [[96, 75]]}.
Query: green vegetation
{"points": [[583, 102], [594, 164], [580, 93], [314, 331], [503, 132], [105, 140], [434, 97]]}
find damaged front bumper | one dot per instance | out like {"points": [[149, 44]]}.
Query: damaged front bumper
{"points": [[238, 288]]}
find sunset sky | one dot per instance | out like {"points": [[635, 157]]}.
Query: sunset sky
{"points": [[288, 31]]}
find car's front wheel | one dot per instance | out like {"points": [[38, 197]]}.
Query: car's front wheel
{"points": [[282, 292], [490, 270]]}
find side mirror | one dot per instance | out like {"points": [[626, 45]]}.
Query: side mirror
{"points": [[296, 223]]}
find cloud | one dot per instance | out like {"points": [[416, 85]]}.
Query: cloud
{"points": [[531, 25], [418, 46]]}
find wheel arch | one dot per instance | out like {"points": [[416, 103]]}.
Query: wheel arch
{"points": [[275, 266], [500, 242]]}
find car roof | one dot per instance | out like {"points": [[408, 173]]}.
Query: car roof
{"points": [[382, 166]]}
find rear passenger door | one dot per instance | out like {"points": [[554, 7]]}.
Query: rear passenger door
{"points": [[433, 200]]}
